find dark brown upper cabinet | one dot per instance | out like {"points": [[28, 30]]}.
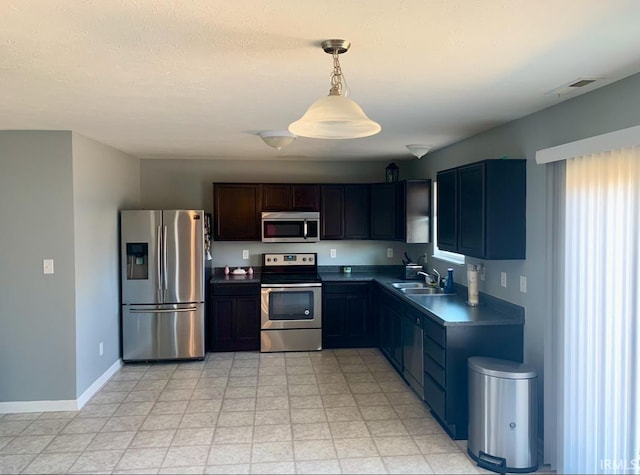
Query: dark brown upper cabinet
{"points": [[482, 209], [236, 212], [285, 197], [344, 211], [401, 211]]}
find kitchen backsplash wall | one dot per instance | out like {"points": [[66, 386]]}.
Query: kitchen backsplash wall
{"points": [[348, 253]]}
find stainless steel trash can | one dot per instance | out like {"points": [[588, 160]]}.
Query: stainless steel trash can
{"points": [[503, 423]]}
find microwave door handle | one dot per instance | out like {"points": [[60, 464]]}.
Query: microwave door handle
{"points": [[305, 229]]}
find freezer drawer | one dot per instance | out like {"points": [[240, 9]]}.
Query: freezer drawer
{"points": [[162, 332]]}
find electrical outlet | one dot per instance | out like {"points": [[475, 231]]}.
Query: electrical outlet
{"points": [[503, 279], [101, 348], [333, 253], [523, 284], [389, 252], [245, 253], [482, 274], [47, 266]]}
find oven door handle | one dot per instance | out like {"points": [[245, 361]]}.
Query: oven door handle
{"points": [[290, 286], [305, 230]]}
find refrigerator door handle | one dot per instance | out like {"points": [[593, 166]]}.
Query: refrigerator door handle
{"points": [[164, 259], [159, 264], [165, 310]]}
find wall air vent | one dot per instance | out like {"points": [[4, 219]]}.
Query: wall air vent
{"points": [[574, 86]]}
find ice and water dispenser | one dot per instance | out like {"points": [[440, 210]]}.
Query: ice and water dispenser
{"points": [[137, 260]]}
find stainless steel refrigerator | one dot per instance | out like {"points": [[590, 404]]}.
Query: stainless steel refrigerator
{"points": [[162, 267]]}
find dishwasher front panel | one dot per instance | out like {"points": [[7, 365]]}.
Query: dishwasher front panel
{"points": [[412, 348]]}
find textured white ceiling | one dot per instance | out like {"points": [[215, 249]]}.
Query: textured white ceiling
{"points": [[199, 78]]}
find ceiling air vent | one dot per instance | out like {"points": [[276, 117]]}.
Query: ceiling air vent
{"points": [[582, 82], [572, 87]]}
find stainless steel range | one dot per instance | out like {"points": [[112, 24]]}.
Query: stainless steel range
{"points": [[291, 303]]}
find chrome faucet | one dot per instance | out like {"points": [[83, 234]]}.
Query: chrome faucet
{"points": [[427, 277], [437, 277]]}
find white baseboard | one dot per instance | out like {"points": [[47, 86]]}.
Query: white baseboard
{"points": [[61, 405], [98, 383], [38, 406]]}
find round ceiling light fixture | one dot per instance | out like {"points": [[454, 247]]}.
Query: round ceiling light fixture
{"points": [[418, 150], [277, 139]]}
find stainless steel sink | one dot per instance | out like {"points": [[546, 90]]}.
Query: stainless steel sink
{"points": [[408, 285], [424, 291]]}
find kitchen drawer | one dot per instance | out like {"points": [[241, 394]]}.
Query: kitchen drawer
{"points": [[434, 370], [434, 331], [223, 290], [434, 350], [434, 396], [350, 288]]}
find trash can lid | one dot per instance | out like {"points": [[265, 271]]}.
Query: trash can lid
{"points": [[501, 368]]}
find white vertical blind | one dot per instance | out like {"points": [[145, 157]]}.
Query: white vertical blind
{"points": [[601, 361]]}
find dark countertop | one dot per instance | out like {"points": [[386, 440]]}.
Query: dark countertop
{"points": [[444, 309]]}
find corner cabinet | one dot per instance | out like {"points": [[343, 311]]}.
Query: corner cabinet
{"points": [[347, 320], [236, 212], [482, 209], [401, 211]]}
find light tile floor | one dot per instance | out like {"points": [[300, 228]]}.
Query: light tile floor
{"points": [[334, 411]]}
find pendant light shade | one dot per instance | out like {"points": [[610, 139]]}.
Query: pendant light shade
{"points": [[335, 116]]}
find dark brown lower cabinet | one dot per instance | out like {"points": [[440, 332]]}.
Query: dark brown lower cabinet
{"points": [[445, 368], [347, 319], [446, 349], [234, 318]]}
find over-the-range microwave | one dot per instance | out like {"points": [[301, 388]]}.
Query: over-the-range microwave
{"points": [[291, 226]]}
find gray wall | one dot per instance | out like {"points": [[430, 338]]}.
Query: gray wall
{"points": [[188, 184], [37, 312], [104, 181], [614, 107], [59, 199]]}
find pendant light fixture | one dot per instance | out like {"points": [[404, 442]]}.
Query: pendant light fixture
{"points": [[335, 116]]}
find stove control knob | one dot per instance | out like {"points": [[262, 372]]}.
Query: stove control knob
{"points": [[268, 259], [304, 259], [275, 259], [311, 259]]}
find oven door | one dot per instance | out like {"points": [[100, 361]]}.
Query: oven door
{"points": [[291, 306]]}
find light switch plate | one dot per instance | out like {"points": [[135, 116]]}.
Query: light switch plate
{"points": [[333, 253], [503, 279], [389, 252], [245, 253], [47, 266]]}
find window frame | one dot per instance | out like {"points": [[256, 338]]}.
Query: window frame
{"points": [[448, 256]]}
